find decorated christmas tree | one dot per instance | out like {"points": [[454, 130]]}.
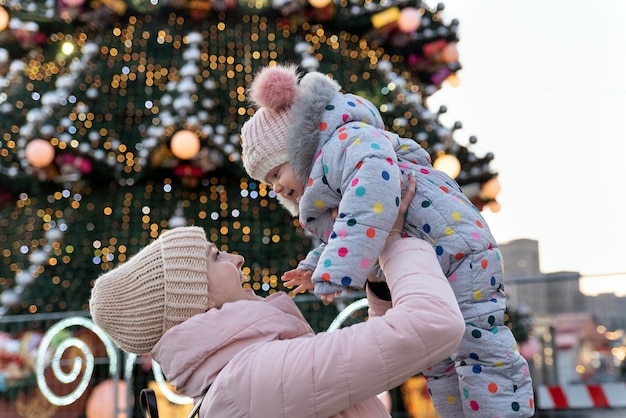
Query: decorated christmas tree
{"points": [[121, 119]]}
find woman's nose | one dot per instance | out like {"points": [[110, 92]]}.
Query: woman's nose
{"points": [[277, 188], [238, 260]]}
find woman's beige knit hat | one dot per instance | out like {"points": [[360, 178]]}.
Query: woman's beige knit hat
{"points": [[163, 285]]}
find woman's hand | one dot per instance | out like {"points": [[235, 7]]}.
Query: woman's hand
{"points": [[407, 197]]}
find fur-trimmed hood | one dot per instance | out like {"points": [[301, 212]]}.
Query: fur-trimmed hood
{"points": [[320, 103]]}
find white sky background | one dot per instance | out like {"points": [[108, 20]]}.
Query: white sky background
{"points": [[543, 87]]}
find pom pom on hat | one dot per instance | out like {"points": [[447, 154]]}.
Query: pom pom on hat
{"points": [[264, 137], [274, 88], [164, 284]]}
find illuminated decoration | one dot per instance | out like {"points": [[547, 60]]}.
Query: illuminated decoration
{"points": [[346, 313], [409, 19], [39, 153], [320, 4], [78, 367], [4, 19], [386, 17], [185, 144], [449, 164]]}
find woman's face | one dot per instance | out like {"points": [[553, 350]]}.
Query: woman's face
{"points": [[225, 277]]}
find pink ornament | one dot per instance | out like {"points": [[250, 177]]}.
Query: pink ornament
{"points": [[72, 3], [449, 53], [409, 20]]}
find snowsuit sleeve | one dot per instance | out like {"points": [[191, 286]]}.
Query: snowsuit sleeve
{"points": [[363, 167], [312, 258], [321, 375]]}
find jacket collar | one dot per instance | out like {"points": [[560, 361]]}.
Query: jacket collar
{"points": [[194, 352]]}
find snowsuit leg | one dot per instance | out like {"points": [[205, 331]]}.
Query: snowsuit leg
{"points": [[443, 385], [492, 377]]}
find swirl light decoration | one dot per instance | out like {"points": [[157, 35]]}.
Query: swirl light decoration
{"points": [[77, 366]]}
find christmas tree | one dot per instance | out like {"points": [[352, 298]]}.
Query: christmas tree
{"points": [[121, 119]]}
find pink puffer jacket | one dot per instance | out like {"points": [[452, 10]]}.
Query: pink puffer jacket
{"points": [[262, 359]]}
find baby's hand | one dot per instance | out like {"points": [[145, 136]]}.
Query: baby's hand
{"points": [[300, 278], [330, 297]]}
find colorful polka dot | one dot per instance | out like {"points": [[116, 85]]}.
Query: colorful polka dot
{"points": [[451, 399], [319, 204], [326, 277], [327, 263], [360, 191], [385, 175], [354, 182], [515, 406], [477, 369], [375, 146], [478, 294], [425, 203], [492, 387], [456, 216], [476, 333], [370, 232], [346, 281], [323, 126], [365, 263], [342, 252], [351, 222], [474, 405], [378, 207]]}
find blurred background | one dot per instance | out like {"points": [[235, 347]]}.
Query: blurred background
{"points": [[120, 119]]}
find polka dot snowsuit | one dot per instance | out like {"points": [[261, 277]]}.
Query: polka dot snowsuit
{"points": [[355, 167]]}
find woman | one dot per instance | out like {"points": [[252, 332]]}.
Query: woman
{"points": [[181, 300]]}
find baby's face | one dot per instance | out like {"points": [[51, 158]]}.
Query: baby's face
{"points": [[285, 183]]}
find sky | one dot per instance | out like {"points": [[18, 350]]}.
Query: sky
{"points": [[543, 87]]}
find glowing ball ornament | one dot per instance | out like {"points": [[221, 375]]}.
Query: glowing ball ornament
{"points": [[319, 4], [409, 20], [449, 53], [39, 153], [101, 401], [185, 144], [449, 164], [4, 19]]}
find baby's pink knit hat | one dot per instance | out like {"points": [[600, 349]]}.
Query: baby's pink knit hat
{"points": [[264, 136]]}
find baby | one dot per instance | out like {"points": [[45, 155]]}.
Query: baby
{"points": [[331, 162]]}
